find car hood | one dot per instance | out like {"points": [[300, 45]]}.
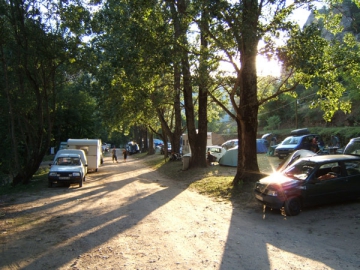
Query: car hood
{"points": [[278, 179], [286, 146], [57, 168]]}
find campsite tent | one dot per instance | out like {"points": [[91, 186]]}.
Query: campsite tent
{"points": [[261, 146], [230, 158]]}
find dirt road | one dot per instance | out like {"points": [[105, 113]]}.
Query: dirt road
{"points": [[127, 216]]}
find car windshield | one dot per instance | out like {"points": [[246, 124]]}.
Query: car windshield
{"points": [[300, 170], [291, 140], [68, 161]]}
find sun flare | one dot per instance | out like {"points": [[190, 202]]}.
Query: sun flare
{"points": [[267, 68]]}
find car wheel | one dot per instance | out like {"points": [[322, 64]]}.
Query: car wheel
{"points": [[80, 183], [292, 206], [50, 184], [84, 179]]}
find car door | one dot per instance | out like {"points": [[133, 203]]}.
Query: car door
{"points": [[306, 142], [352, 185], [215, 151], [327, 190]]}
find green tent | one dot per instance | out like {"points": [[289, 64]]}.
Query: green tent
{"points": [[230, 158]]}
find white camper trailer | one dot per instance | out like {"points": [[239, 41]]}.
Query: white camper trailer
{"points": [[186, 146], [92, 149]]}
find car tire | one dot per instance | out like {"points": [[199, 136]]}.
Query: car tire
{"points": [[292, 206], [50, 184], [84, 178], [80, 183]]}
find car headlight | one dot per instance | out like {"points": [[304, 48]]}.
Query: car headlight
{"points": [[52, 174], [76, 174], [272, 192]]}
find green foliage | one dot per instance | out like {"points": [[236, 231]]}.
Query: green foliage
{"points": [[76, 114], [273, 122], [36, 56]]}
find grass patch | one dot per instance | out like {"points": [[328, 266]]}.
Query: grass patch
{"points": [[219, 187], [214, 181]]}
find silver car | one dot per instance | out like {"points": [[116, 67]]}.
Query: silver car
{"points": [[67, 168]]}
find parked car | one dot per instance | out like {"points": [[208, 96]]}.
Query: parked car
{"points": [[293, 157], [353, 147], [79, 152], [162, 150], [311, 181], [105, 147], [216, 151], [63, 145], [67, 168], [230, 144], [293, 143], [132, 148]]}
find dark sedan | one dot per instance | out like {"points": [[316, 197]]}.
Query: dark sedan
{"points": [[311, 181]]}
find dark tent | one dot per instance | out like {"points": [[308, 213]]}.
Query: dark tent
{"points": [[261, 146]]}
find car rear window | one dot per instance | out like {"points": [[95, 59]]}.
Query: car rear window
{"points": [[352, 167]]}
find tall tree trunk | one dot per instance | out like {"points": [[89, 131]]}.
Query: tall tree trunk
{"points": [[197, 141], [247, 112], [201, 139]]}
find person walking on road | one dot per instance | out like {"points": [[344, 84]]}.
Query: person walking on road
{"points": [[125, 154], [114, 156]]}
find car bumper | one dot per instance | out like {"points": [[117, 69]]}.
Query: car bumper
{"points": [[68, 180], [271, 201], [283, 154]]}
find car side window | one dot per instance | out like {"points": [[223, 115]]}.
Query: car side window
{"points": [[352, 167], [328, 171]]}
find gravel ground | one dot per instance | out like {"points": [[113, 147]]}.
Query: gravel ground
{"points": [[127, 216]]}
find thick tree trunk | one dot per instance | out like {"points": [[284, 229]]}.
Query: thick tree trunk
{"points": [[201, 139], [179, 12], [247, 112]]}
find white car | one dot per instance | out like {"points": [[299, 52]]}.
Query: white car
{"points": [[230, 144], [67, 168], [79, 152], [216, 151]]}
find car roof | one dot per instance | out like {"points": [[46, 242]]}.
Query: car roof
{"points": [[69, 155], [335, 157], [306, 135], [69, 150]]}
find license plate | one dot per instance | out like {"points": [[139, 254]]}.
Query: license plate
{"points": [[64, 178], [259, 197]]}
